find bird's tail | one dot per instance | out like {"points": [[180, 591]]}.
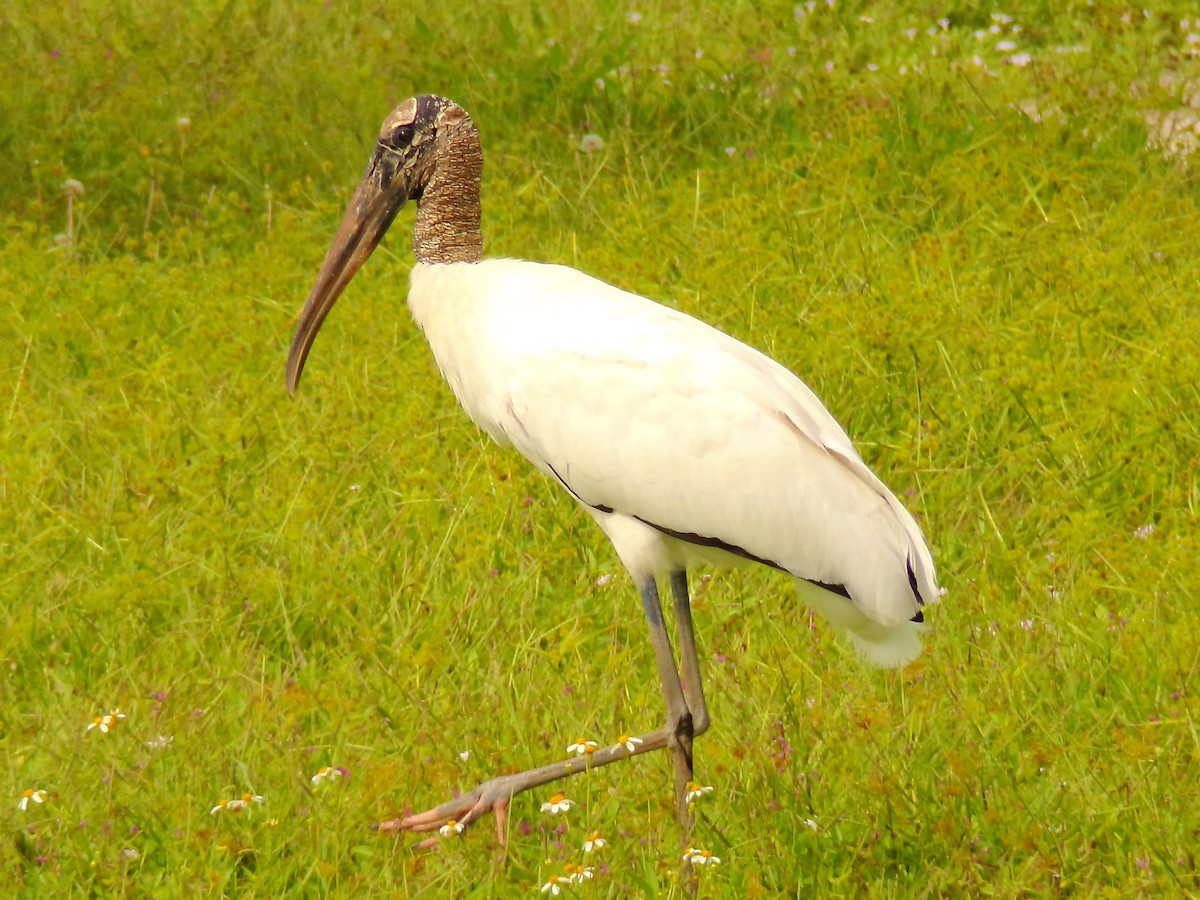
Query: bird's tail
{"points": [[889, 646]]}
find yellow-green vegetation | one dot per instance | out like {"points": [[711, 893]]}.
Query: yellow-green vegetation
{"points": [[975, 239]]}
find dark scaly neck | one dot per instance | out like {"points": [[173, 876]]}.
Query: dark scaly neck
{"points": [[446, 229]]}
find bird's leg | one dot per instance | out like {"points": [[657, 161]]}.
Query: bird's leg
{"points": [[693, 686], [679, 717], [496, 793]]}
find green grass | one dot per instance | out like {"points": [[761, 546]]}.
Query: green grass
{"points": [[1001, 311]]}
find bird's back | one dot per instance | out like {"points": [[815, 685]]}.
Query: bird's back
{"points": [[647, 413]]}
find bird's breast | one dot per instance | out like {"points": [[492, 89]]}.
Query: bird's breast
{"points": [[500, 326], [485, 333]]}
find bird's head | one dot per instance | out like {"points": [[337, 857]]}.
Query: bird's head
{"points": [[423, 136]]}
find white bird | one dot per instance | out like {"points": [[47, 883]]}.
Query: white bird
{"points": [[684, 444]]}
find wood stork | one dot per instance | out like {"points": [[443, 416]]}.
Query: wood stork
{"points": [[683, 444]]}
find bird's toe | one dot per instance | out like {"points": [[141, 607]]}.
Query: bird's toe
{"points": [[390, 825]]}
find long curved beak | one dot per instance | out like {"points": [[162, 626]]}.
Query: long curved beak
{"points": [[379, 197]]}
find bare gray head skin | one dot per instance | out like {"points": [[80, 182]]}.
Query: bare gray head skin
{"points": [[428, 151]]}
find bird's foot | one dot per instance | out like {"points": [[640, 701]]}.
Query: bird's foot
{"points": [[492, 795], [495, 794]]}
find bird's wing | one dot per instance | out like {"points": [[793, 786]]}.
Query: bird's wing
{"points": [[647, 412]]}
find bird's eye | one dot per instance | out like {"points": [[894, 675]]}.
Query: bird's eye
{"points": [[402, 136]]}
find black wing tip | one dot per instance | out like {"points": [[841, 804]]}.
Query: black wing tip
{"points": [[919, 618], [912, 581]]}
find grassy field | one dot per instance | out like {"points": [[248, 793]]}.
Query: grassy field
{"points": [[975, 238]]}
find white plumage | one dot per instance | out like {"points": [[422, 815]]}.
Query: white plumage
{"points": [[684, 444], [660, 418]]}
